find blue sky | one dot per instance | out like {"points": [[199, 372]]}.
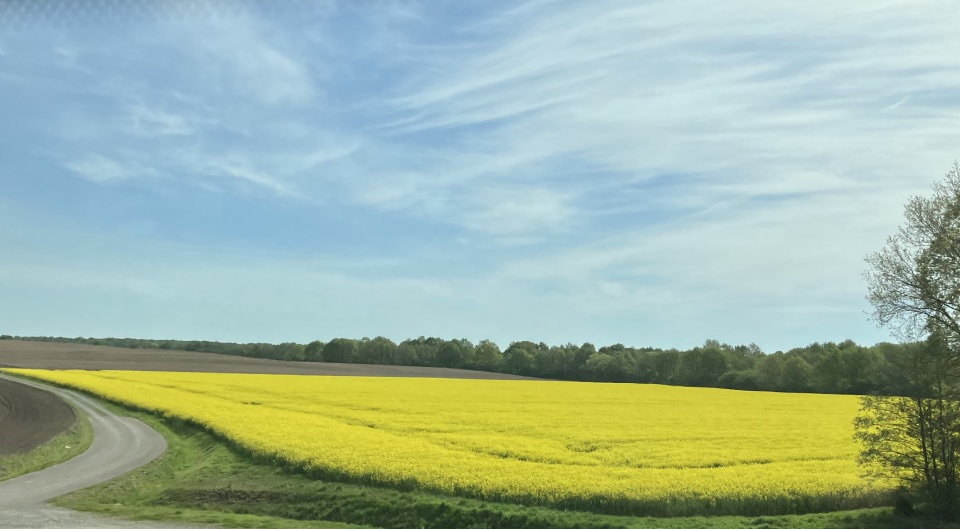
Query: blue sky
{"points": [[651, 173]]}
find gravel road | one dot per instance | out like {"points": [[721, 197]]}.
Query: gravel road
{"points": [[120, 444]]}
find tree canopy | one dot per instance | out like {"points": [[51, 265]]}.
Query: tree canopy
{"points": [[914, 287]]}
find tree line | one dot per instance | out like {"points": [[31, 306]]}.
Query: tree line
{"points": [[830, 367]]}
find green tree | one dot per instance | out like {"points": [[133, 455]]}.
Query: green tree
{"points": [[914, 285], [795, 375], [340, 350], [914, 281], [701, 367], [860, 369], [916, 437], [583, 353], [454, 353], [379, 350], [289, 351], [745, 379], [665, 366], [487, 355], [553, 362], [598, 365], [313, 352], [828, 373], [768, 369], [519, 358]]}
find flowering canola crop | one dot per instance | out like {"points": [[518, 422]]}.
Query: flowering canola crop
{"points": [[616, 448]]}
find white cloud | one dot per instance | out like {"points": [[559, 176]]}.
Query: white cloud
{"points": [[745, 89], [636, 161], [242, 50], [782, 255], [515, 211], [100, 169], [237, 168], [154, 121]]}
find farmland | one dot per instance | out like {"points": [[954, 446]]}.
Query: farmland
{"points": [[37, 429], [614, 449]]}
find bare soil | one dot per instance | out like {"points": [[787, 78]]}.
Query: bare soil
{"points": [[52, 355], [30, 417]]}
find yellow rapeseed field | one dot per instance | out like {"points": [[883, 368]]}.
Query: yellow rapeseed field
{"points": [[616, 448]]}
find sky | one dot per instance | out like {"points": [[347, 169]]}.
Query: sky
{"points": [[653, 173]]}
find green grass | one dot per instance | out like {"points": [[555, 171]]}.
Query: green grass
{"points": [[204, 480], [65, 446]]}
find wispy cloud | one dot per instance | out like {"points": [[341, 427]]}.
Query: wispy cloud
{"points": [[236, 167], [250, 64], [152, 121], [607, 166], [222, 108], [517, 211], [766, 99], [100, 169]]}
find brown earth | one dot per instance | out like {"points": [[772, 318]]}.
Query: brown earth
{"points": [[51, 355], [30, 417]]}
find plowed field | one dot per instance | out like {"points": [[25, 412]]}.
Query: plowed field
{"points": [[51, 355], [30, 417]]}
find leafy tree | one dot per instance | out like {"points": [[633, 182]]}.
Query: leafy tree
{"points": [[553, 362], [916, 437], [313, 352], [740, 358], [828, 373], [665, 366], [612, 350], [623, 368], [769, 369], [340, 350], [795, 375], [599, 365], [582, 355], [288, 351], [913, 282], [644, 369], [860, 366], [454, 353], [914, 287], [419, 351], [519, 358], [379, 350], [746, 380], [487, 355], [701, 367]]}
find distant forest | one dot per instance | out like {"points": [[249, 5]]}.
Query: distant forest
{"points": [[829, 367]]}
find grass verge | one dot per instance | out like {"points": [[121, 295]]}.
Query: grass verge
{"points": [[67, 445], [201, 479]]}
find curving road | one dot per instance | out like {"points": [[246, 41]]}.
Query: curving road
{"points": [[120, 444]]}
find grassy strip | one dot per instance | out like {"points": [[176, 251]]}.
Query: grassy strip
{"points": [[201, 479], [67, 445]]}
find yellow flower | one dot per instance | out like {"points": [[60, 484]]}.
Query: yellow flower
{"points": [[615, 448]]}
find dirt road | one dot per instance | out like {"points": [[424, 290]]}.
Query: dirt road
{"points": [[51, 355], [30, 417], [120, 445]]}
